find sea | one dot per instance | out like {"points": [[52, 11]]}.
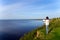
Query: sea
{"points": [[14, 29]]}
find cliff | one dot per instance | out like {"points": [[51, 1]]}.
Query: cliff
{"points": [[39, 33]]}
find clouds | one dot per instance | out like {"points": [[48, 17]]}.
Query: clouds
{"points": [[22, 9]]}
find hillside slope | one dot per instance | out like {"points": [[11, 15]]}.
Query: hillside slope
{"points": [[39, 33]]}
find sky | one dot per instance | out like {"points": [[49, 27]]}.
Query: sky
{"points": [[29, 9]]}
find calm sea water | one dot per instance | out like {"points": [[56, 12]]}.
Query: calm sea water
{"points": [[14, 29]]}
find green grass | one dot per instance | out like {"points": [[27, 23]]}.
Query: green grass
{"points": [[54, 32]]}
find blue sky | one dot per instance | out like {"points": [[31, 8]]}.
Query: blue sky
{"points": [[29, 9]]}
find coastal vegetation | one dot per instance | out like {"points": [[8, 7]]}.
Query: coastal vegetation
{"points": [[40, 33]]}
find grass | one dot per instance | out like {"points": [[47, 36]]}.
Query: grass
{"points": [[54, 32]]}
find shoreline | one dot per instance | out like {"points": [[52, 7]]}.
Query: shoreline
{"points": [[54, 25]]}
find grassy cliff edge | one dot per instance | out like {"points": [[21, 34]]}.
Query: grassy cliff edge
{"points": [[39, 33]]}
